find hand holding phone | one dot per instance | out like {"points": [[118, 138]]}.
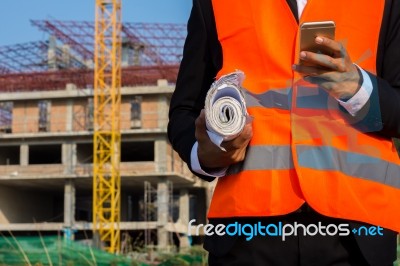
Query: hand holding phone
{"points": [[326, 62]]}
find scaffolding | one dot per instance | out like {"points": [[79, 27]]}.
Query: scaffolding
{"points": [[152, 210], [150, 199]]}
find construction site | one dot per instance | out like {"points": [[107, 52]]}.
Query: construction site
{"points": [[83, 138]]}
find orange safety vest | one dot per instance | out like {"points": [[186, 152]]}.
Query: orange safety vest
{"points": [[303, 149]]}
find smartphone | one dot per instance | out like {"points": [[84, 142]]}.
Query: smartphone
{"points": [[310, 30]]}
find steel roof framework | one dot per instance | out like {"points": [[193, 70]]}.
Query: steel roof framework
{"points": [[154, 49]]}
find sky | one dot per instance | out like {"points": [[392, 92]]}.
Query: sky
{"points": [[15, 26]]}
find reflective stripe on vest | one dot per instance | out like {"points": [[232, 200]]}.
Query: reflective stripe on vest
{"points": [[265, 158], [351, 164], [280, 99]]}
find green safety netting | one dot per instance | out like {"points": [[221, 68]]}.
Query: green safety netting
{"points": [[55, 251], [43, 251]]}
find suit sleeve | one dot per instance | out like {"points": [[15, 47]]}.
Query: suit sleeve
{"points": [[381, 114], [388, 82], [196, 73]]}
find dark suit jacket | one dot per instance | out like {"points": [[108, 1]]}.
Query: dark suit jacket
{"points": [[202, 59]]}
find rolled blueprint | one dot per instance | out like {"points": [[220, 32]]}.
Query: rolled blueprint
{"points": [[225, 108]]}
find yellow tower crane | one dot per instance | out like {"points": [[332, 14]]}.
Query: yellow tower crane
{"points": [[107, 135]]}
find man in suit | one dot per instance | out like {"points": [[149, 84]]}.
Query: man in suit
{"points": [[202, 59]]}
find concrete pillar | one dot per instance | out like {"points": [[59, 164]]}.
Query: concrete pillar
{"points": [[126, 52], [51, 54], [209, 190], [24, 154], [162, 213], [160, 153], [184, 206], [69, 207], [69, 157], [163, 106], [70, 114], [69, 109], [184, 215], [66, 56]]}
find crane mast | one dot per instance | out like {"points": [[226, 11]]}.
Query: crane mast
{"points": [[107, 135]]}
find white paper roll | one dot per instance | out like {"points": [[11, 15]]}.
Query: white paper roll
{"points": [[225, 108]]}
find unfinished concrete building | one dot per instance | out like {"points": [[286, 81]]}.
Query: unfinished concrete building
{"points": [[46, 143]]}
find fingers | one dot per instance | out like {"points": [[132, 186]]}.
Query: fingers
{"points": [[308, 70], [335, 73], [238, 155], [337, 64], [240, 141], [338, 60], [211, 156], [336, 47], [237, 143]]}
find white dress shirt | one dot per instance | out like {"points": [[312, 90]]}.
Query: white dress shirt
{"points": [[353, 105]]}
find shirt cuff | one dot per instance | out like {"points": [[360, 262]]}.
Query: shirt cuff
{"points": [[357, 102], [195, 164]]}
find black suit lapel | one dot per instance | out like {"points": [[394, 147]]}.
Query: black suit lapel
{"points": [[293, 6]]}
